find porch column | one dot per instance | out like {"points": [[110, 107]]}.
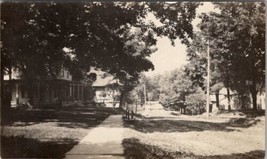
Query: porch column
{"points": [[82, 92], [38, 92], [70, 92], [17, 93], [50, 91], [78, 92], [73, 92]]}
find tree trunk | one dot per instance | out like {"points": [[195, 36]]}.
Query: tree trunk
{"points": [[121, 99], [127, 114], [5, 95], [229, 99], [104, 100], [254, 98], [60, 97], [30, 92], [136, 107], [210, 108], [10, 73], [243, 101], [217, 99], [198, 109], [113, 98], [29, 86]]}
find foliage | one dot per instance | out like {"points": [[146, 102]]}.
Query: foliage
{"points": [[38, 40], [89, 93], [196, 102], [43, 38], [175, 87], [237, 36], [236, 40], [197, 57], [132, 97], [151, 85], [113, 89]]}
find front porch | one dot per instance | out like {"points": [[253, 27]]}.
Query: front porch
{"points": [[45, 93]]}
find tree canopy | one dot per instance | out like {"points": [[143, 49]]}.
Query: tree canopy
{"points": [[236, 35], [170, 88], [38, 38]]}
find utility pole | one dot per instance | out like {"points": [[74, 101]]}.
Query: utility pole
{"points": [[144, 94], [208, 80], [145, 97]]}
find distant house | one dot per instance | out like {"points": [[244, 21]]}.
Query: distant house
{"points": [[235, 100], [46, 92], [104, 90]]}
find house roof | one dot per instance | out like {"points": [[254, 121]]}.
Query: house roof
{"points": [[102, 78], [217, 87], [103, 81]]}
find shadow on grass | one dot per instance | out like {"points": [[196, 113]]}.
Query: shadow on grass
{"points": [[243, 122], [134, 149], [149, 126], [17, 146], [78, 117], [250, 113], [20, 147]]}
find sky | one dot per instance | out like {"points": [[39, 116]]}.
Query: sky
{"points": [[167, 57]]}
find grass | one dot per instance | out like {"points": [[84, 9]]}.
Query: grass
{"points": [[48, 133], [25, 147], [51, 134], [134, 149], [194, 138], [162, 125]]}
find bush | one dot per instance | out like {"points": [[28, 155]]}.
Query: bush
{"points": [[196, 103], [89, 93], [242, 101], [132, 97]]}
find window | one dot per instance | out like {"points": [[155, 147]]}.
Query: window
{"points": [[70, 90], [62, 72]]}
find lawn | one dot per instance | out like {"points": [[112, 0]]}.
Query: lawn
{"points": [[48, 133], [196, 138], [51, 134]]}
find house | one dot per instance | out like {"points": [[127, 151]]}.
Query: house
{"points": [[236, 101], [106, 89], [61, 91]]}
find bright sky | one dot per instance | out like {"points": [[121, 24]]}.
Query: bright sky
{"points": [[167, 57]]}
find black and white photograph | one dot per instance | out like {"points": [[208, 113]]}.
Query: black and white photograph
{"points": [[133, 80]]}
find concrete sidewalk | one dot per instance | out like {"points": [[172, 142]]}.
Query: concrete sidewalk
{"points": [[104, 141]]}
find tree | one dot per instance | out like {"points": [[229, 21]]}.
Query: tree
{"points": [[175, 87], [197, 57], [238, 34], [196, 101], [152, 86], [44, 26], [38, 39], [114, 89], [196, 69]]}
